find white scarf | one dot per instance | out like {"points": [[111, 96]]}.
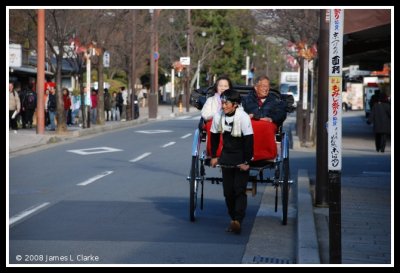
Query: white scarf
{"points": [[236, 129]]}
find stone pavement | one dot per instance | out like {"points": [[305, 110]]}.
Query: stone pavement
{"points": [[366, 205]]}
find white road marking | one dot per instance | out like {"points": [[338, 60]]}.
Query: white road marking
{"points": [[140, 157], [96, 150], [153, 131], [91, 180], [183, 117], [168, 144], [375, 173], [26, 213], [185, 136]]}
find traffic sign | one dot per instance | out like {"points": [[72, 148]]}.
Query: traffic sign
{"points": [[185, 60]]}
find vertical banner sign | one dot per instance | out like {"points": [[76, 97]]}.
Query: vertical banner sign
{"points": [[335, 90], [305, 83], [311, 71], [88, 101], [106, 59], [172, 83]]}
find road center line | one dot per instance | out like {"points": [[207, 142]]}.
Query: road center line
{"points": [[26, 213], [140, 157], [168, 144], [91, 180], [185, 136]]}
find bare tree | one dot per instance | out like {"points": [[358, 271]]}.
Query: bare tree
{"points": [[105, 24], [290, 27]]}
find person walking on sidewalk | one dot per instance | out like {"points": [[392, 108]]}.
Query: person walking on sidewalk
{"points": [[380, 118], [14, 106], [235, 126]]}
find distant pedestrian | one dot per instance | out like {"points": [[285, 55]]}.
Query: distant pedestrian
{"points": [[107, 104], [124, 95], [93, 109], [119, 102], [115, 114], [51, 108], [14, 107], [76, 106], [28, 106], [374, 98], [67, 106], [46, 113], [380, 118]]}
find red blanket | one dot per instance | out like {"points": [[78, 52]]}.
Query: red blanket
{"points": [[264, 140]]}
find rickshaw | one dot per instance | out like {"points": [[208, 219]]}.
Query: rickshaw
{"points": [[278, 166]]}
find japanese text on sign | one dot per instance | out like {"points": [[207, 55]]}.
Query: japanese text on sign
{"points": [[335, 90]]}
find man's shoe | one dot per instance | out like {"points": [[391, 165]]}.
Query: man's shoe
{"points": [[234, 227]]}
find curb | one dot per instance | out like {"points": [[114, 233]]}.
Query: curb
{"points": [[307, 243]]}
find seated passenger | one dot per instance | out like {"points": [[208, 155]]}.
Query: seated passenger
{"points": [[261, 104], [213, 104], [211, 107]]}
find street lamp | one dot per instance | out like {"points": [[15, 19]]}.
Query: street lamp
{"points": [[90, 51]]}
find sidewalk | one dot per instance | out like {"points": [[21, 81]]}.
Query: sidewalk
{"points": [[26, 140], [366, 214]]}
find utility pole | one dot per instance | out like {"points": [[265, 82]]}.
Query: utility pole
{"points": [[172, 89], [87, 98], [153, 86], [133, 76], [40, 72], [156, 55], [321, 184], [189, 35], [335, 66]]}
